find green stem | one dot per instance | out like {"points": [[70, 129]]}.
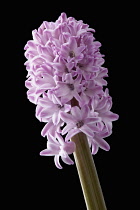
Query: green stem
{"points": [[87, 173]]}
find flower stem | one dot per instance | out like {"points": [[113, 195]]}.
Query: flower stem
{"points": [[87, 173]]}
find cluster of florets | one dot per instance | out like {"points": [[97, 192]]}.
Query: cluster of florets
{"points": [[65, 81]]}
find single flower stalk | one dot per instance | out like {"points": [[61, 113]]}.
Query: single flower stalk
{"points": [[66, 82]]}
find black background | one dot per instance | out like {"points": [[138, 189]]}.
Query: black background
{"points": [[34, 181]]}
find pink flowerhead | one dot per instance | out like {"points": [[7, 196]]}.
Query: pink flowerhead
{"points": [[57, 147], [65, 80]]}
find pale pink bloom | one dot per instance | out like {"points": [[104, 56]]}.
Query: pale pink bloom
{"points": [[101, 106], [97, 141], [52, 108], [50, 128], [99, 76], [59, 148], [89, 89], [79, 121], [62, 68], [69, 88], [71, 52]]}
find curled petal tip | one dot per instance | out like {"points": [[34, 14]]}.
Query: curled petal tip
{"points": [[107, 148], [42, 153], [117, 116]]}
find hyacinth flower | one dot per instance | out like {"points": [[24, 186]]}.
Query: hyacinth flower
{"points": [[66, 82]]}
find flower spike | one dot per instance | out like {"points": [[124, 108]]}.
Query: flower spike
{"points": [[65, 80]]}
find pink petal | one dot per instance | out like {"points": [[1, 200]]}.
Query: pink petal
{"points": [[107, 106], [47, 113], [76, 112], [54, 129], [46, 128], [101, 103], [56, 161], [94, 128], [45, 103], [46, 152], [86, 75], [105, 134], [79, 50], [36, 36], [70, 65], [32, 52], [72, 43], [85, 129], [33, 98], [69, 147], [97, 44], [77, 80], [108, 126], [56, 100], [99, 62], [52, 139], [95, 148], [66, 108], [55, 118], [71, 133], [60, 138], [67, 128], [76, 95], [63, 17], [103, 73], [94, 145], [79, 57], [100, 125], [90, 120], [30, 44], [45, 85], [68, 118], [67, 98], [28, 84], [101, 81], [62, 89], [65, 50], [55, 148], [67, 160], [31, 91], [38, 110], [95, 68], [96, 90], [85, 111], [102, 143], [84, 99], [47, 81], [59, 67], [69, 78], [109, 116]]}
